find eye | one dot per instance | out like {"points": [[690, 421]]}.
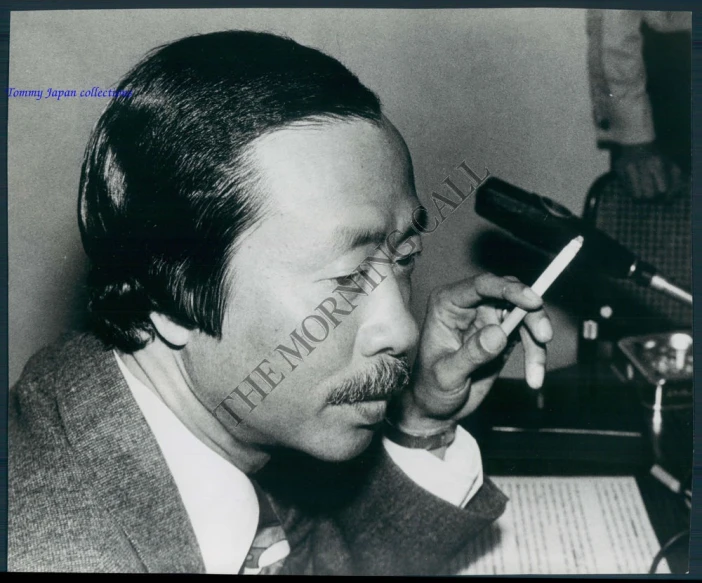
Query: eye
{"points": [[405, 263], [351, 278], [345, 280]]}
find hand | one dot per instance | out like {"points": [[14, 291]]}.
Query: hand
{"points": [[462, 349], [644, 172]]}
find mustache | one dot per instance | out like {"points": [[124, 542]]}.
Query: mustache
{"points": [[384, 380]]}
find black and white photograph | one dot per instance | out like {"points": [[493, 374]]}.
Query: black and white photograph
{"points": [[350, 291]]}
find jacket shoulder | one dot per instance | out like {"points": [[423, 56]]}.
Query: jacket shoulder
{"points": [[68, 360], [51, 508]]}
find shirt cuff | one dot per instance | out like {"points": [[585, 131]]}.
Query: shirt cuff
{"points": [[631, 123], [455, 479]]}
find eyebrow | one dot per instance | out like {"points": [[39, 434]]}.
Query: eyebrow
{"points": [[351, 238], [346, 238]]}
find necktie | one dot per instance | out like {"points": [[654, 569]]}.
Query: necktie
{"points": [[269, 547]]}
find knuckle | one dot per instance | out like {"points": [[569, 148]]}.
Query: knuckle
{"points": [[482, 279], [481, 283]]}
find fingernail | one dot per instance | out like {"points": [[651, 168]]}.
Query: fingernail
{"points": [[492, 339], [531, 295], [535, 375], [545, 329]]}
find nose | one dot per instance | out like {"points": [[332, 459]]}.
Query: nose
{"points": [[388, 326]]}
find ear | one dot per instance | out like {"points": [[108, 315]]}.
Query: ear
{"points": [[172, 333]]}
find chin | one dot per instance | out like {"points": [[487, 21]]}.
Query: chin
{"points": [[341, 448]]}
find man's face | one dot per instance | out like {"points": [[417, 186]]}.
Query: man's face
{"points": [[333, 192]]}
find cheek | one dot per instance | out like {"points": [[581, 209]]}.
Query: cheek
{"points": [[290, 316], [315, 373], [259, 319], [335, 350], [258, 323], [405, 285], [296, 403], [212, 368]]}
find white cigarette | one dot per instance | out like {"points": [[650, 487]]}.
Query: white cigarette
{"points": [[545, 280]]}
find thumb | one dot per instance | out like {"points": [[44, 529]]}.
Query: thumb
{"points": [[482, 347]]}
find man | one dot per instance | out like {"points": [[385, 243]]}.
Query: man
{"points": [[251, 223], [639, 74]]}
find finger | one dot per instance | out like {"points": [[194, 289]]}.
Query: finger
{"points": [[487, 314], [468, 320], [648, 191], [503, 304], [470, 292], [534, 359], [658, 172], [633, 181], [481, 348], [539, 325], [675, 179]]}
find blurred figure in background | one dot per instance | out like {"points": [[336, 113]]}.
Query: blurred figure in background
{"points": [[639, 69]]}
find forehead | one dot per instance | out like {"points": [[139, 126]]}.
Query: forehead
{"points": [[325, 177]]}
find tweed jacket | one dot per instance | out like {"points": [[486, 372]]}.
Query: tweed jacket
{"points": [[89, 489]]}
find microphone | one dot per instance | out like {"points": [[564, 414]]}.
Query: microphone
{"points": [[549, 226]]}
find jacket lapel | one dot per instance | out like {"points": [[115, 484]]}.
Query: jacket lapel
{"points": [[124, 463]]}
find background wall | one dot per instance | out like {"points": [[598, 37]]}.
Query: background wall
{"points": [[502, 89]]}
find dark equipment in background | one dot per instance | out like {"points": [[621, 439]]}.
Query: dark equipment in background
{"points": [[549, 226], [658, 231], [645, 337], [622, 293], [626, 407]]}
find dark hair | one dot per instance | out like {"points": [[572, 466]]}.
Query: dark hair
{"points": [[165, 191]]}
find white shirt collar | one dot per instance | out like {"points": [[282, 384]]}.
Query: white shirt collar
{"points": [[218, 497]]}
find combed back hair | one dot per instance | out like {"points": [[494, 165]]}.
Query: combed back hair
{"points": [[166, 190]]}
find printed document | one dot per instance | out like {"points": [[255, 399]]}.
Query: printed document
{"points": [[558, 525]]}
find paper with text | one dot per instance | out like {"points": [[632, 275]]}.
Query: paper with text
{"points": [[555, 525]]}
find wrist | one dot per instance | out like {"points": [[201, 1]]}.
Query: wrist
{"points": [[408, 416], [434, 441], [633, 151]]}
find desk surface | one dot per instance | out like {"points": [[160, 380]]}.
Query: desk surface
{"points": [[601, 431]]}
